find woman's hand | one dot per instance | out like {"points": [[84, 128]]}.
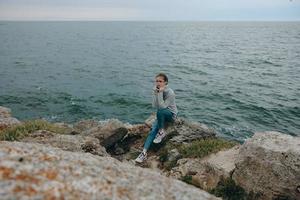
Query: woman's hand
{"points": [[156, 89], [161, 89]]}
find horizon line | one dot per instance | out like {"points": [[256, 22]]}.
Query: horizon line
{"points": [[120, 20]]}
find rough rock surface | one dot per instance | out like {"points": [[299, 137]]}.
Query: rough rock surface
{"points": [[101, 129], [75, 143], [6, 119], [268, 165], [208, 171], [116, 136], [86, 124], [184, 131], [36, 171], [96, 127]]}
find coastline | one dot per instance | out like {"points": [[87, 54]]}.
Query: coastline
{"points": [[191, 153]]}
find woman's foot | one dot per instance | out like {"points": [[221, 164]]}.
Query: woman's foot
{"points": [[142, 157], [159, 136]]}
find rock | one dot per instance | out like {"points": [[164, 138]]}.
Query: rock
{"points": [[116, 136], [74, 143], [133, 137], [184, 131], [69, 129], [73, 132], [173, 155], [103, 129], [5, 112], [188, 131], [137, 129], [84, 125], [90, 145], [209, 171], [117, 150], [152, 163], [268, 166], [63, 125], [6, 119], [109, 132], [35, 171]]}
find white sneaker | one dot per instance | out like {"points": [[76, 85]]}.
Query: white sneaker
{"points": [[142, 157], [159, 136]]}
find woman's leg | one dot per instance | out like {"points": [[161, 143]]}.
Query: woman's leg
{"points": [[151, 135], [163, 115]]}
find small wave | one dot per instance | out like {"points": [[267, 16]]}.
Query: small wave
{"points": [[269, 74], [20, 64], [9, 99], [239, 134], [82, 70], [259, 84], [75, 109], [271, 63]]}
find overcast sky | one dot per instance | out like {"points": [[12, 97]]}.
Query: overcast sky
{"points": [[150, 10]]}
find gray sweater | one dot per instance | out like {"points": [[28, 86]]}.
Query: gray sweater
{"points": [[165, 99]]}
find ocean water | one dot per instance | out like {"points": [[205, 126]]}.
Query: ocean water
{"points": [[236, 77]]}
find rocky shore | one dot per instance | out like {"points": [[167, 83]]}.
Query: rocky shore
{"points": [[94, 160]]}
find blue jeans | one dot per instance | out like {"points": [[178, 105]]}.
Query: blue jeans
{"points": [[162, 115]]}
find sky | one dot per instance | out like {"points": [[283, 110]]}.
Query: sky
{"points": [[151, 10]]}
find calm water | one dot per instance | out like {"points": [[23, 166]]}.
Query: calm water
{"points": [[237, 77]]}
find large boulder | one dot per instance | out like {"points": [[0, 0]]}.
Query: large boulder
{"points": [[102, 129], [6, 119], [108, 132], [207, 172], [184, 131], [116, 135], [74, 143], [268, 166], [36, 171]]}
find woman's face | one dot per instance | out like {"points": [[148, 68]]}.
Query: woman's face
{"points": [[160, 81]]}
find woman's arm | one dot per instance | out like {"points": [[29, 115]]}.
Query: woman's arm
{"points": [[158, 101], [170, 99], [154, 98]]}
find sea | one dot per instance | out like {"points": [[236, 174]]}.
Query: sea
{"points": [[235, 77]]}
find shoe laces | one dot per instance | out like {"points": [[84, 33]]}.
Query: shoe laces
{"points": [[161, 132], [142, 155]]}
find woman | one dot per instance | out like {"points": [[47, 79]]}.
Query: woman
{"points": [[163, 99]]}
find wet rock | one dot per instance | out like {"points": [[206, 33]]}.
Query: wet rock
{"points": [[51, 173], [268, 166]]}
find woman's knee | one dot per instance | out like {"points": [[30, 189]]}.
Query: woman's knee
{"points": [[160, 112]]}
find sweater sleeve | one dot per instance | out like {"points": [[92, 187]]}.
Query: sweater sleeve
{"points": [[159, 102], [154, 99]]}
